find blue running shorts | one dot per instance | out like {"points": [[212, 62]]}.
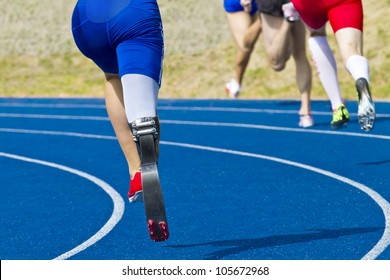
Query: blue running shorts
{"points": [[232, 6], [121, 36]]}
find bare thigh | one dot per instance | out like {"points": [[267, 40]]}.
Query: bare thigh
{"points": [[239, 23], [271, 26]]}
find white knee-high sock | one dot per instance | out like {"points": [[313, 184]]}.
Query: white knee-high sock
{"points": [[358, 67], [140, 96], [325, 63]]}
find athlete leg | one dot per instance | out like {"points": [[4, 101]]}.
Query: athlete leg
{"points": [[245, 30], [141, 93], [140, 96], [146, 135], [277, 40], [325, 64], [253, 33], [303, 69], [117, 115], [140, 100], [350, 43]]}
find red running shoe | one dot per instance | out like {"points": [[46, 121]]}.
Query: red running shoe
{"points": [[135, 191]]}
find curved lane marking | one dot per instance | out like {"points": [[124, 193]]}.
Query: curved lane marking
{"points": [[381, 245], [117, 212]]}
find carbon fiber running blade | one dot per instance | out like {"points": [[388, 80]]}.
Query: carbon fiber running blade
{"points": [[152, 193]]}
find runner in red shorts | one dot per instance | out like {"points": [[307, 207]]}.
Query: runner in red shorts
{"points": [[346, 19]]}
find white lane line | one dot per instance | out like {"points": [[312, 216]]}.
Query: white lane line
{"points": [[174, 108], [117, 212], [247, 110], [381, 245], [59, 133], [57, 117], [235, 110], [178, 122], [278, 128], [58, 105]]}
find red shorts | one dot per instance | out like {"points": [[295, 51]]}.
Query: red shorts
{"points": [[340, 13]]}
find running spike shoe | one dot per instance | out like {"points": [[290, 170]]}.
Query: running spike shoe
{"points": [[135, 191], [305, 121], [340, 117], [232, 88], [366, 109]]}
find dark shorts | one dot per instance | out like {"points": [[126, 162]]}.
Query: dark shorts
{"points": [[122, 36], [232, 6], [271, 7]]}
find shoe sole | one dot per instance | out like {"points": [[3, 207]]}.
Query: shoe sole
{"points": [[137, 197], [305, 123], [342, 123], [366, 109], [232, 95], [339, 125]]}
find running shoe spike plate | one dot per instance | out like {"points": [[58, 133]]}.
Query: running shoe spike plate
{"points": [[366, 109]]}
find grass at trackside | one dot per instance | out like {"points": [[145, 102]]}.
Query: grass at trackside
{"points": [[196, 76], [197, 64], [60, 75]]}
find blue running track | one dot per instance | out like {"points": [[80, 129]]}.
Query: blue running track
{"points": [[241, 181]]}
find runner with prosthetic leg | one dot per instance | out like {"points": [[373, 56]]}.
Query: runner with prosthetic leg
{"points": [[124, 38]]}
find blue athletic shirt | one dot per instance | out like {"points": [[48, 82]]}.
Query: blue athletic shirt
{"points": [[232, 6], [121, 36]]}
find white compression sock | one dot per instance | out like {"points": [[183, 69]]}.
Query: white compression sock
{"points": [[325, 63], [358, 67], [140, 96]]}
